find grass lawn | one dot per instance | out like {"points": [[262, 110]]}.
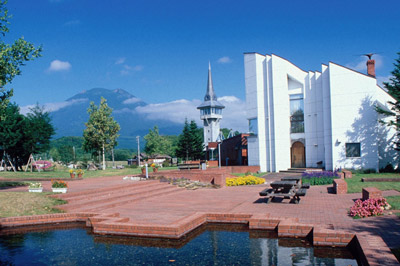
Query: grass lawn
{"points": [[253, 174], [88, 174], [394, 201], [355, 185], [25, 203]]}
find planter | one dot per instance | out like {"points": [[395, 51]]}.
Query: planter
{"points": [[144, 171], [80, 175], [72, 175], [155, 170], [59, 189], [36, 189]]}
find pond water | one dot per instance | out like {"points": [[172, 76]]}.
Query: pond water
{"points": [[209, 245]]}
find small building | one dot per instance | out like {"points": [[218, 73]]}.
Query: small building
{"points": [[321, 118], [234, 150]]}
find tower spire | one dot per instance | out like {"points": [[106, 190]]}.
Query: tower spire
{"points": [[210, 95]]}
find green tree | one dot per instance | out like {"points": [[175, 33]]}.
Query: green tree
{"points": [[101, 131], [156, 144], [190, 143], [12, 58], [12, 133], [66, 154], [393, 115], [196, 140], [54, 154], [38, 131], [21, 136]]}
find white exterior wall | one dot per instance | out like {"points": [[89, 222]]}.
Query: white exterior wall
{"points": [[211, 127], [326, 106], [354, 118], [254, 80], [281, 139], [339, 108], [386, 135]]}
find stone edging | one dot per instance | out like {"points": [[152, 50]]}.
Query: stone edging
{"points": [[372, 249]]}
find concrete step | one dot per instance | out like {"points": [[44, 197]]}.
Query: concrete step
{"points": [[129, 188], [71, 195], [115, 194], [113, 201], [300, 170]]}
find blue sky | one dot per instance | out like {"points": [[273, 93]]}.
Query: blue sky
{"points": [[159, 50]]}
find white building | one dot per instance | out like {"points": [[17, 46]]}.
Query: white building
{"points": [[314, 119]]}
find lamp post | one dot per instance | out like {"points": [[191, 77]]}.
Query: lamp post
{"points": [[219, 154], [138, 149]]}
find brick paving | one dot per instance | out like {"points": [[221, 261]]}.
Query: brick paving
{"points": [[153, 208]]}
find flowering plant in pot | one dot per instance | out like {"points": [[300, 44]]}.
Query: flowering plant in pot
{"points": [[35, 187], [72, 173], [80, 172], [59, 186], [155, 167]]}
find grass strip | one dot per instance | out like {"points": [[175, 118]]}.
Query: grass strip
{"points": [[355, 185], [25, 203]]}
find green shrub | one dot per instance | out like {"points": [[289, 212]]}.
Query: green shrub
{"points": [[316, 181]]}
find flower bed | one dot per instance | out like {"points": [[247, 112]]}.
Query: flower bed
{"points": [[59, 184], [245, 180], [319, 177], [369, 207]]}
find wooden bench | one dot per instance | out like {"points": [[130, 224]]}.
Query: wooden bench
{"points": [[301, 192], [305, 185], [188, 166]]}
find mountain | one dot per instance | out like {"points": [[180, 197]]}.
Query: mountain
{"points": [[70, 118]]}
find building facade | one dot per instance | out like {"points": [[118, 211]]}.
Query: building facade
{"points": [[323, 119]]}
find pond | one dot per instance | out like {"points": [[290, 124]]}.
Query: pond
{"points": [[213, 244]]}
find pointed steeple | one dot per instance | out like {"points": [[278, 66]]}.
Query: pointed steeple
{"points": [[210, 95], [210, 100]]}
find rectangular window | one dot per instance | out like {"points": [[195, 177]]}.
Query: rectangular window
{"points": [[353, 150], [296, 113], [253, 127]]}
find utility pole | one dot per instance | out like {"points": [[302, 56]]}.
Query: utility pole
{"points": [[138, 149]]}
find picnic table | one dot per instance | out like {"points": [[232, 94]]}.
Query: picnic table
{"points": [[298, 181], [285, 189]]}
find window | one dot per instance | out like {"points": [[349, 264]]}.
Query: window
{"points": [[253, 127], [296, 113], [353, 150]]}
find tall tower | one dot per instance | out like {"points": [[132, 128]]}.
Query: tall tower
{"points": [[210, 112]]}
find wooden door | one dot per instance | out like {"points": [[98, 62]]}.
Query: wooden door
{"points": [[298, 155]]}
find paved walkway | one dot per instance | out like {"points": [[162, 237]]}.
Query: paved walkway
{"points": [[155, 203]]}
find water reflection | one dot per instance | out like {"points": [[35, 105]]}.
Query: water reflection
{"points": [[214, 244]]}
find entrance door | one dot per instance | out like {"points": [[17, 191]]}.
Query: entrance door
{"points": [[298, 155]]}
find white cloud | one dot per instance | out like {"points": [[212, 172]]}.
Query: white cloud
{"points": [[138, 68], [57, 65], [120, 61], [233, 116], [52, 107], [361, 63], [127, 69], [224, 60], [72, 22], [131, 100]]}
